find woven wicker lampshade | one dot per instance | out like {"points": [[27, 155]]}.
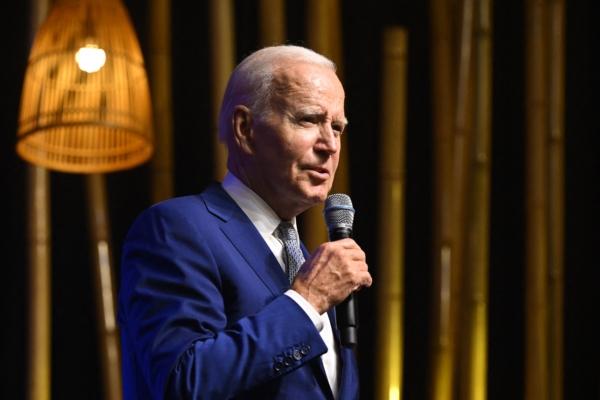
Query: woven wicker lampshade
{"points": [[85, 105]]}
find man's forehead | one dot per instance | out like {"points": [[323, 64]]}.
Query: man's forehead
{"points": [[308, 88], [290, 76], [308, 96]]}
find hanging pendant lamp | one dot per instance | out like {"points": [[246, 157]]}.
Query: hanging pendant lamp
{"points": [[85, 105]]}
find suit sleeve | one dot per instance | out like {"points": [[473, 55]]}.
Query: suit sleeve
{"points": [[174, 324]]}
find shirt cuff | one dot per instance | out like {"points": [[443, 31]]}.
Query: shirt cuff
{"points": [[307, 307]]}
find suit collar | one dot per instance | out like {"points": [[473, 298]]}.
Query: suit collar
{"points": [[245, 238], [218, 202]]}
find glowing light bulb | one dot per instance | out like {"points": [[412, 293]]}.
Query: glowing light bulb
{"points": [[90, 58]]}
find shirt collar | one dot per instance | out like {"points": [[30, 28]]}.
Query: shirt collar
{"points": [[258, 211]]}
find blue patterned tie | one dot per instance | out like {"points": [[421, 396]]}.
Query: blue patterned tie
{"points": [[293, 254]]}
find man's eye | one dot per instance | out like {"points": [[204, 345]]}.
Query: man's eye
{"points": [[338, 128], [308, 119]]}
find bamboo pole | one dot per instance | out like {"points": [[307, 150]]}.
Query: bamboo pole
{"points": [[39, 332], [108, 334], [40, 289], [160, 68], [318, 31], [222, 63], [462, 139], [272, 22], [442, 347], [474, 355], [323, 27], [462, 143], [336, 42], [536, 342], [556, 202], [390, 292]]}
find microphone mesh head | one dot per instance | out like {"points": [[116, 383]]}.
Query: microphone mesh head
{"points": [[339, 212]]}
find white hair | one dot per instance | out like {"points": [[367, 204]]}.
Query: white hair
{"points": [[251, 83]]}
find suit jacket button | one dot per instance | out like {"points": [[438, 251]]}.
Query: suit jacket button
{"points": [[278, 366], [305, 349], [287, 361], [297, 355]]}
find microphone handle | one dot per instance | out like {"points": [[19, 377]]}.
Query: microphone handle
{"points": [[346, 316], [347, 322]]}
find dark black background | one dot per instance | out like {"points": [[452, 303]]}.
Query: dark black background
{"points": [[75, 362]]}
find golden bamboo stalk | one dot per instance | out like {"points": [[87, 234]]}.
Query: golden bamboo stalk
{"points": [[160, 81], [473, 380], [462, 143], [536, 337], [323, 27], [335, 51], [39, 336], [462, 139], [222, 63], [390, 290], [108, 334], [40, 290], [556, 194], [318, 31], [271, 15], [442, 347]]}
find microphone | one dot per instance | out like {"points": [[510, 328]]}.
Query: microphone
{"points": [[339, 217]]}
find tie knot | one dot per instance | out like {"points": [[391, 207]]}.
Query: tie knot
{"points": [[286, 231]]}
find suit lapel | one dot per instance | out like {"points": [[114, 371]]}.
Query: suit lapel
{"points": [[242, 234]]}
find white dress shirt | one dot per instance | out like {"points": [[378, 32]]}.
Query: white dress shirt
{"points": [[266, 222]]}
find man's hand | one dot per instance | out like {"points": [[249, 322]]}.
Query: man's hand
{"points": [[332, 272]]}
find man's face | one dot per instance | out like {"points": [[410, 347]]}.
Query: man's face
{"points": [[297, 144]]}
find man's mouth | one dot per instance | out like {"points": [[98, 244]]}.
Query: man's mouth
{"points": [[319, 172]]}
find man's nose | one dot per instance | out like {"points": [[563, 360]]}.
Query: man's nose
{"points": [[328, 140]]}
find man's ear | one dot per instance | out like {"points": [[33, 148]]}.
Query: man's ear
{"points": [[243, 134]]}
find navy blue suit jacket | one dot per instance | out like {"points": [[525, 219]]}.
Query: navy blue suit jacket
{"points": [[203, 315]]}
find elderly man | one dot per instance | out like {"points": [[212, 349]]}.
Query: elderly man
{"points": [[219, 299]]}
